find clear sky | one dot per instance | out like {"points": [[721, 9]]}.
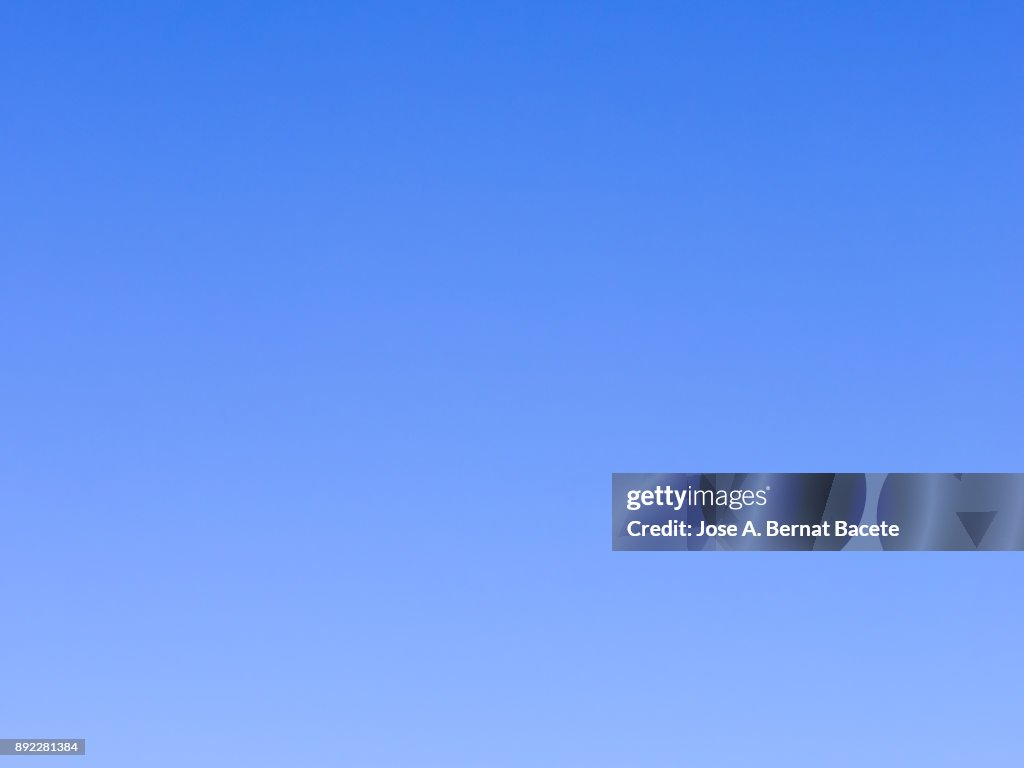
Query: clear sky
{"points": [[324, 326]]}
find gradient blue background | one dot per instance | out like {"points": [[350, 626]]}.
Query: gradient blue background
{"points": [[324, 326]]}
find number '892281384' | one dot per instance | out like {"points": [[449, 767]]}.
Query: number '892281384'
{"points": [[42, 746]]}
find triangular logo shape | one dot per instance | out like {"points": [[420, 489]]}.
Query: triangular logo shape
{"points": [[976, 524]]}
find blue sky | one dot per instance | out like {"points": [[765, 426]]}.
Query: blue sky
{"points": [[325, 326]]}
